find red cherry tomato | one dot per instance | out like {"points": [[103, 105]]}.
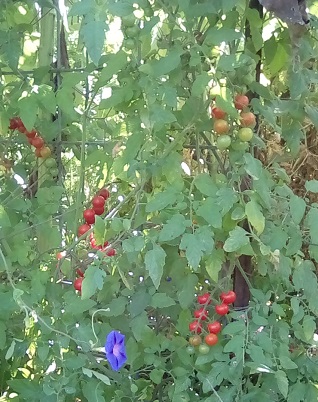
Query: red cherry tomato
{"points": [[78, 284], [214, 327], [241, 102], [111, 252], [195, 326], [211, 339], [38, 142], [83, 229], [222, 309], [89, 216], [229, 297], [218, 113], [247, 119], [80, 273], [31, 134], [14, 123], [204, 299], [98, 202], [99, 211], [202, 313], [104, 193], [37, 152]]}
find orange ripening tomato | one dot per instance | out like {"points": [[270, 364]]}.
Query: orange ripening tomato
{"points": [[218, 113], [221, 126]]}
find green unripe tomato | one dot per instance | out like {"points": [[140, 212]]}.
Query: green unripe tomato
{"points": [[190, 350], [129, 44], [50, 162], [132, 32], [148, 12], [54, 172], [223, 142], [245, 134], [204, 349], [128, 20], [239, 145]]}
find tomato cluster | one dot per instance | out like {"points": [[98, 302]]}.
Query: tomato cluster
{"points": [[244, 125], [33, 138], [213, 327]]}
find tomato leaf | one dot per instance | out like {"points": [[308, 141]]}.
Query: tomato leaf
{"points": [[237, 239], [255, 216], [155, 261]]}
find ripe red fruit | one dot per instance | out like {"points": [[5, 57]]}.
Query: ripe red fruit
{"points": [[211, 339], [83, 229], [14, 123], [99, 211], [98, 202], [202, 313], [229, 297], [195, 326], [241, 101], [203, 299], [247, 119], [222, 309], [104, 193], [89, 216], [214, 327], [78, 284], [37, 152], [218, 113], [37, 142], [30, 134], [80, 273], [111, 252]]}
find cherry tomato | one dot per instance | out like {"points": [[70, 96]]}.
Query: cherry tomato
{"points": [[229, 297], [80, 273], [202, 313], [45, 152], [128, 20], [247, 119], [222, 309], [218, 113], [195, 326], [37, 152], [204, 349], [83, 229], [89, 216], [98, 202], [221, 126], [204, 299], [195, 340], [214, 327], [37, 142], [14, 123], [129, 44], [190, 350], [50, 163], [111, 252], [223, 142], [31, 134], [241, 101], [78, 284], [99, 211], [60, 255], [211, 339], [132, 32], [104, 193], [245, 134]]}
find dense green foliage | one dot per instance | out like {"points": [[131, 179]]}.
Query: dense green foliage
{"points": [[129, 109]]}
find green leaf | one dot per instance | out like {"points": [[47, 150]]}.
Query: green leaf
{"points": [[161, 300], [282, 382], [255, 216], [214, 264], [155, 261], [237, 239], [4, 218], [205, 184], [226, 198], [157, 68], [161, 200], [114, 64], [312, 186], [287, 363], [81, 8], [92, 391], [174, 227], [309, 327], [93, 280], [253, 166], [194, 246], [99, 230], [217, 35], [96, 374], [28, 109], [211, 212], [297, 208], [311, 219], [200, 84], [312, 113], [49, 237], [93, 33], [186, 294]]}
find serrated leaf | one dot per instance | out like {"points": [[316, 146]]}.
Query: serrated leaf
{"points": [[200, 84], [4, 218], [253, 166], [93, 280], [297, 208], [237, 239], [99, 230], [96, 374], [226, 198], [309, 327], [210, 211], [185, 295], [28, 109], [194, 244], [93, 33], [282, 382], [157, 68], [214, 264], [161, 300], [255, 216], [155, 261], [174, 227], [287, 363], [161, 201]]}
